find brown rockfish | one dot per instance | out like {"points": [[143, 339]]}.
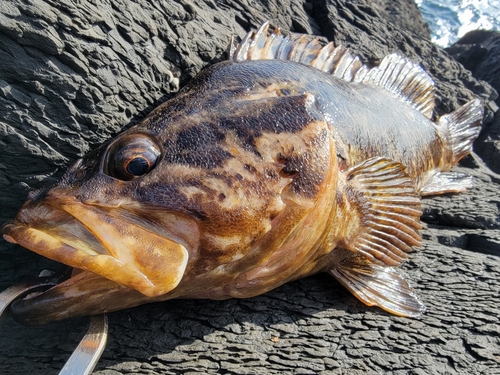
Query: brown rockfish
{"points": [[289, 159]]}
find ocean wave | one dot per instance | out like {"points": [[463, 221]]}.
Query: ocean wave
{"points": [[449, 20]]}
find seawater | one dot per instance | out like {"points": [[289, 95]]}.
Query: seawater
{"points": [[449, 20]]}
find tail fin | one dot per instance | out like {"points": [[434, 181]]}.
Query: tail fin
{"points": [[463, 126], [460, 129]]}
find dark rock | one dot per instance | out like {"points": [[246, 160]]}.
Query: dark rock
{"points": [[74, 73], [488, 145], [404, 15], [479, 51]]}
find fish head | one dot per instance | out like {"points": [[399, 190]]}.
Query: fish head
{"points": [[102, 220], [207, 187]]}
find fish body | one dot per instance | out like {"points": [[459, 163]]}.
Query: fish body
{"points": [[266, 168]]}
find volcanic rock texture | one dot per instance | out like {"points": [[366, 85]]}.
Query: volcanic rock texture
{"points": [[73, 73]]}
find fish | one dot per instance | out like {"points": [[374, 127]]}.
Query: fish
{"points": [[290, 158]]}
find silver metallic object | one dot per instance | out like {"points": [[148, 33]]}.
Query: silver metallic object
{"points": [[89, 350], [87, 353]]}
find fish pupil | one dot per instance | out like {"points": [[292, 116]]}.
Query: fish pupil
{"points": [[138, 166]]}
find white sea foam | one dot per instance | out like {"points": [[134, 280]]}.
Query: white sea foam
{"points": [[451, 19]]}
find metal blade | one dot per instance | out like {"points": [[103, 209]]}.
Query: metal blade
{"points": [[87, 354]]}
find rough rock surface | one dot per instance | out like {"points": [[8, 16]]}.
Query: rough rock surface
{"points": [[74, 73], [479, 51]]}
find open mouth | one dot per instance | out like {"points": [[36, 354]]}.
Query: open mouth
{"points": [[117, 263]]}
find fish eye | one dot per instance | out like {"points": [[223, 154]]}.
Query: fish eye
{"points": [[131, 156]]}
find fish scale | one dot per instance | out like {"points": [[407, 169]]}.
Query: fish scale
{"points": [[289, 159]]}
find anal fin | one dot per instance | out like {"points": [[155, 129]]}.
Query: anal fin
{"points": [[377, 285], [447, 182]]}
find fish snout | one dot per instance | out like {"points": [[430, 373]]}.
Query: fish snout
{"points": [[117, 260]]}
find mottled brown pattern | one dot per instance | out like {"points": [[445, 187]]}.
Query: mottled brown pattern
{"points": [[253, 184]]}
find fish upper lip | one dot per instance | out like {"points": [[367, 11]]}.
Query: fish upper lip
{"points": [[60, 228], [100, 241], [48, 216], [106, 282]]}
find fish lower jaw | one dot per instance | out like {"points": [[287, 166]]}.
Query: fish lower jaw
{"points": [[83, 294]]}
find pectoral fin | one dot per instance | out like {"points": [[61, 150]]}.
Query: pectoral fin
{"points": [[384, 212], [383, 225], [377, 285]]}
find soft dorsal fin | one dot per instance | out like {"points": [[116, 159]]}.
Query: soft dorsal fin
{"points": [[395, 73]]}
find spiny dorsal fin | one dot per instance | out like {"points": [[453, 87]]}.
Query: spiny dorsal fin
{"points": [[389, 210], [395, 73]]}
